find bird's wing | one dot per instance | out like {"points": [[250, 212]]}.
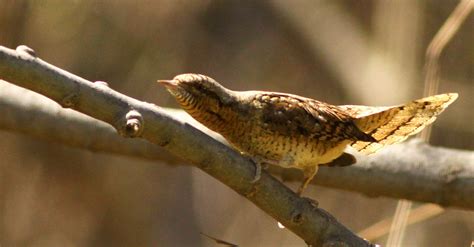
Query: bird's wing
{"points": [[389, 125], [289, 114]]}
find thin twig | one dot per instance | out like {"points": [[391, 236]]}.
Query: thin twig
{"points": [[419, 214], [437, 45]]}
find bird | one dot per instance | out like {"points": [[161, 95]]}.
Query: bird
{"points": [[293, 131]]}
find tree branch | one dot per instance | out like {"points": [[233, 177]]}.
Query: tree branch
{"points": [[412, 170], [133, 118]]}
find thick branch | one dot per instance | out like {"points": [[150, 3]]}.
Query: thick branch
{"points": [[412, 170], [21, 107], [134, 118]]}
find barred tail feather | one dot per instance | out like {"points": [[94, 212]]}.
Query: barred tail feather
{"points": [[389, 125]]}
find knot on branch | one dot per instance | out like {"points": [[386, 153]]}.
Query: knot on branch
{"points": [[25, 52], [69, 101], [131, 125], [297, 217], [101, 83]]}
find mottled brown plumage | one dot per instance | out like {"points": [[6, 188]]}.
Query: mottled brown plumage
{"points": [[293, 131]]}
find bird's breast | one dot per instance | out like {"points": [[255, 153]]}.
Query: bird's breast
{"points": [[297, 151]]}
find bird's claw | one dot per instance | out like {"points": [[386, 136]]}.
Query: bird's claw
{"points": [[259, 164], [258, 172]]}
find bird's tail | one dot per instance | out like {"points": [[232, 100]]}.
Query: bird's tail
{"points": [[389, 125]]}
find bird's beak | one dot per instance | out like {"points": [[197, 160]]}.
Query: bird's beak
{"points": [[170, 84]]}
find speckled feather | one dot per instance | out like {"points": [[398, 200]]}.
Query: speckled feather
{"points": [[293, 115], [390, 125]]}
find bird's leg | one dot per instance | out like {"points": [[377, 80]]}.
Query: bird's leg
{"points": [[309, 174]]}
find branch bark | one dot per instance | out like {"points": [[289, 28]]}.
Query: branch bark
{"points": [[133, 118], [412, 170]]}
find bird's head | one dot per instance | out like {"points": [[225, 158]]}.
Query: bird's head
{"points": [[196, 92]]}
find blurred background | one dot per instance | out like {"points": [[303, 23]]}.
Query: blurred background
{"points": [[342, 52]]}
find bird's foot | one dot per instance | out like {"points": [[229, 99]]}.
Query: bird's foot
{"points": [[258, 172], [259, 164]]}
